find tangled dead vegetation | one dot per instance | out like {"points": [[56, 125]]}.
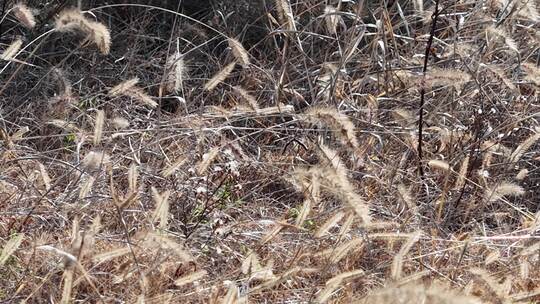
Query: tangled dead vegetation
{"points": [[287, 151]]}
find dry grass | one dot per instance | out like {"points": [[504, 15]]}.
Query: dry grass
{"points": [[242, 153]]}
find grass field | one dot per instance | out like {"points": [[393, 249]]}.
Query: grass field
{"points": [[287, 151]]}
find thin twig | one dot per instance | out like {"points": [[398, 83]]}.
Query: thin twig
{"points": [[423, 89]]}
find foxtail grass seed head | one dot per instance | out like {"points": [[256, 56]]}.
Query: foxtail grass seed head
{"points": [[286, 14], [332, 19], [176, 72], [503, 189], [239, 52], [522, 174], [207, 160], [190, 278], [334, 283], [95, 159], [439, 165], [70, 20], [11, 51], [232, 295], [133, 175], [524, 147], [67, 286], [252, 102], [532, 72], [462, 174], [10, 247], [338, 122], [499, 34], [45, 178], [120, 123], [161, 212], [123, 87], [98, 128], [219, 77], [86, 187], [332, 221], [129, 88], [345, 249], [447, 77], [24, 15]]}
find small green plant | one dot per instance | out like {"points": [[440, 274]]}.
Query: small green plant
{"points": [[310, 225], [89, 103], [294, 213], [70, 139]]}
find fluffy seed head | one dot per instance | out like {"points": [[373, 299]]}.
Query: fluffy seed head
{"points": [[522, 174], [24, 15], [332, 19], [501, 34], [239, 51], [190, 278], [120, 122], [207, 159], [219, 77], [176, 71], [524, 147], [123, 87], [447, 77], [98, 128], [129, 88], [94, 159], [337, 121], [329, 223], [10, 247], [503, 189], [12, 50], [247, 97], [439, 164], [73, 20]]}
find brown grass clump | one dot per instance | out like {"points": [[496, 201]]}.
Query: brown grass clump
{"points": [[418, 294], [331, 152]]}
